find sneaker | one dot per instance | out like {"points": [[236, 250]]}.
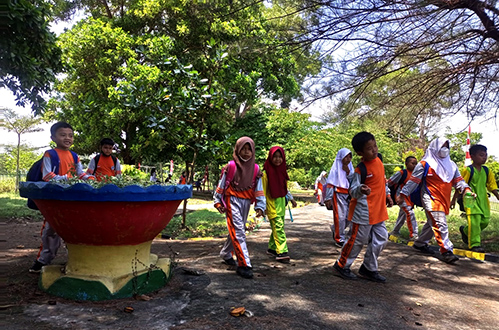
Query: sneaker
{"points": [[271, 252], [371, 275], [339, 244], [283, 257], [478, 249], [344, 273], [245, 272], [37, 267], [464, 237], [449, 257], [424, 249], [230, 262], [413, 238]]}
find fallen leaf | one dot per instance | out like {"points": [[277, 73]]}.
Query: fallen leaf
{"points": [[237, 311], [128, 309], [142, 297], [419, 304]]}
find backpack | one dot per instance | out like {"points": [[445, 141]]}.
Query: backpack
{"points": [[393, 188], [35, 171], [231, 171], [472, 171], [415, 196], [97, 162]]}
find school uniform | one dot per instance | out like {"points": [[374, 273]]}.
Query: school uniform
{"points": [[406, 212], [238, 204], [105, 167], [67, 167], [320, 187], [480, 212], [436, 198], [367, 214], [337, 192]]}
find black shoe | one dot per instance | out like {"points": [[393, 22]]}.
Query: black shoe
{"points": [[478, 249], [245, 272], [344, 273], [424, 249], [271, 252], [230, 262], [339, 244], [37, 267], [283, 257], [464, 237], [370, 275], [449, 257]]}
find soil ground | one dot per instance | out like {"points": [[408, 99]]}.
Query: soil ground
{"points": [[421, 291]]}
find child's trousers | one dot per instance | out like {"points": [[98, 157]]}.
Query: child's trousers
{"points": [[375, 236], [436, 224], [237, 215], [277, 240], [340, 215], [50, 244], [474, 228], [406, 214]]}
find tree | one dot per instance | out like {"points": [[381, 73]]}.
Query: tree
{"points": [[20, 125], [413, 34], [29, 56]]}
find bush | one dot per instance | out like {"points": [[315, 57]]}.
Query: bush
{"points": [[301, 177], [7, 184]]}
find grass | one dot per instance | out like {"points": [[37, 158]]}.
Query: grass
{"points": [[12, 206], [490, 236]]}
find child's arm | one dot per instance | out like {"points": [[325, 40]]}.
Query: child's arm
{"points": [[218, 195], [357, 190], [80, 174], [290, 198], [459, 183], [394, 179], [492, 184], [48, 170], [91, 167], [454, 199], [261, 202]]}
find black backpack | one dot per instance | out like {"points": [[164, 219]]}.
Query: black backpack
{"points": [[97, 162], [472, 171], [35, 171]]}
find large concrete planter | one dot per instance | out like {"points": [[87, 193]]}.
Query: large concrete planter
{"points": [[108, 233]]}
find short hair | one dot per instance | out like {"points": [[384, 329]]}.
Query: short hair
{"points": [[60, 124], [360, 140], [107, 141], [409, 158], [474, 149]]}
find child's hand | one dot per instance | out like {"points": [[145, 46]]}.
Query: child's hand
{"points": [[346, 169], [389, 201], [365, 190], [259, 213], [221, 209], [452, 204], [293, 202], [400, 199]]}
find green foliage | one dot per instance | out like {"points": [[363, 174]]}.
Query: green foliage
{"points": [[458, 144], [29, 56], [12, 206], [7, 184], [27, 157], [202, 223]]}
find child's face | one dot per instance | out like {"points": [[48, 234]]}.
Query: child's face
{"points": [[107, 149], [370, 151], [411, 164], [479, 158], [277, 158], [63, 138], [346, 160], [245, 153]]}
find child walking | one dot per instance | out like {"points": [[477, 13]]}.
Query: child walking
{"points": [[367, 212], [442, 175], [320, 187], [275, 185], [105, 164], [406, 213], [59, 164], [480, 179], [337, 193], [234, 198]]}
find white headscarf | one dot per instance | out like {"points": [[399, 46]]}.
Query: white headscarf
{"points": [[337, 176], [444, 167]]}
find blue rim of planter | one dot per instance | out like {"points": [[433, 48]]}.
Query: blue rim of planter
{"points": [[107, 193]]}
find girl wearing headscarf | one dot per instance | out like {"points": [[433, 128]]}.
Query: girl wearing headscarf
{"points": [[442, 175], [275, 185], [337, 193], [240, 185]]}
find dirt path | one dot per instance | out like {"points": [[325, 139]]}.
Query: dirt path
{"points": [[421, 292]]}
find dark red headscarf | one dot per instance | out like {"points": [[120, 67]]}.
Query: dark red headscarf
{"points": [[277, 175], [243, 178]]}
